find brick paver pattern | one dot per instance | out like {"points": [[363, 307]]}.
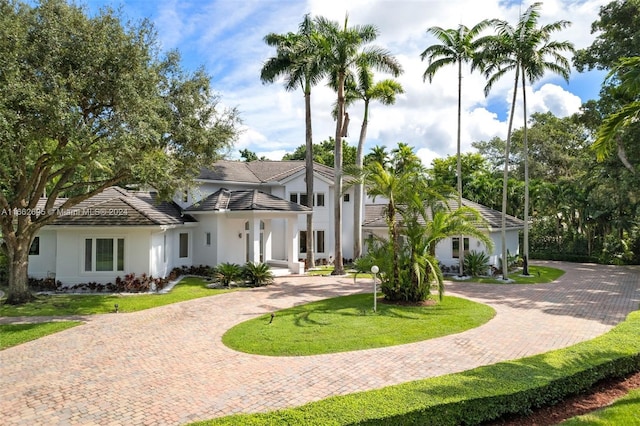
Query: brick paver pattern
{"points": [[167, 366]]}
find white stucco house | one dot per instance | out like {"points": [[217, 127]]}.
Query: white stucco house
{"points": [[236, 212]]}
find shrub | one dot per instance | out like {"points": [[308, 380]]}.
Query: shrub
{"points": [[476, 263], [257, 274], [226, 273]]}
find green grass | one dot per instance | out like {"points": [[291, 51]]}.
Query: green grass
{"points": [[473, 396], [348, 323], [539, 275], [73, 304], [624, 411], [15, 334]]}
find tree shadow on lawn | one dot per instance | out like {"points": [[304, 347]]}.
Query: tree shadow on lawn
{"points": [[602, 293]]}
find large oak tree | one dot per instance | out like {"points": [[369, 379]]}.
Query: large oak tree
{"points": [[87, 102]]}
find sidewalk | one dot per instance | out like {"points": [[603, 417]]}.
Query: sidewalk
{"points": [[167, 366]]}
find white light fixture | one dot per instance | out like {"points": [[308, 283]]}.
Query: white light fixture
{"points": [[375, 270]]}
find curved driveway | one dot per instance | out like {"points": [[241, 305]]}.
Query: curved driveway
{"points": [[167, 366]]}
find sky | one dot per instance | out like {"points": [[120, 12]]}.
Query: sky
{"points": [[225, 37]]}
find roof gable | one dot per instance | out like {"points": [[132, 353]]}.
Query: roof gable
{"points": [[118, 207], [244, 200]]}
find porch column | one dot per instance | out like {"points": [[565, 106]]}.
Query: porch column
{"points": [[254, 240], [292, 242]]}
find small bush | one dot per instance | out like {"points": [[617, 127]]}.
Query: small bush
{"points": [[258, 274], [476, 263], [226, 273]]}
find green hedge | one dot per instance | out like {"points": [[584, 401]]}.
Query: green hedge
{"points": [[566, 257], [473, 396]]}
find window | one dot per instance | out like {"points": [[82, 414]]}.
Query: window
{"points": [[207, 238], [303, 241], [34, 250], [346, 198], [455, 247], [319, 241], [300, 197], [184, 245], [164, 249], [103, 254]]}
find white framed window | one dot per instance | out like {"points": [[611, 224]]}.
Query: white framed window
{"points": [[346, 198], [301, 197], [207, 239], [319, 241], [34, 249], [104, 254], [455, 247], [183, 249]]}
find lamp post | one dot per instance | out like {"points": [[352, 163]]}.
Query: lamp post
{"points": [[375, 270]]}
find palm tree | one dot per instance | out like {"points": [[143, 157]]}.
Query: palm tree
{"points": [[524, 49], [378, 153], [298, 60], [458, 46], [341, 51], [366, 90], [627, 71], [539, 55]]}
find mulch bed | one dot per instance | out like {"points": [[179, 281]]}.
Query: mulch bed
{"points": [[602, 394]]}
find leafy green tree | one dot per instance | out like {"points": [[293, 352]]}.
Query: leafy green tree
{"points": [[457, 46], [86, 103], [248, 155], [618, 36], [299, 60], [610, 134], [323, 153], [342, 53]]}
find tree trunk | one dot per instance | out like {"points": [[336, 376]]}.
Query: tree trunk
{"points": [[337, 262], [505, 179], [309, 176], [17, 249], [359, 188], [459, 167], [525, 242]]}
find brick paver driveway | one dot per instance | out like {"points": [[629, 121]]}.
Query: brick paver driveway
{"points": [[167, 366]]}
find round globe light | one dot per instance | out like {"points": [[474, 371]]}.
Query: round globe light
{"points": [[375, 269]]}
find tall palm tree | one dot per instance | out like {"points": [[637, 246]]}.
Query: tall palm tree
{"points": [[457, 46], [539, 55], [366, 90], [298, 60], [527, 50], [344, 48]]}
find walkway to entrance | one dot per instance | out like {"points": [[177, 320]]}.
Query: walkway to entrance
{"points": [[167, 366]]}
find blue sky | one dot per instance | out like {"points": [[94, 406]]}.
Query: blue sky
{"points": [[225, 37]]}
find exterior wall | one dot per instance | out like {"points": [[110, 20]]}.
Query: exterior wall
{"points": [[70, 249], [43, 265], [203, 253]]}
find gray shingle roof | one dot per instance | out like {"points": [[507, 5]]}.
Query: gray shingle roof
{"points": [[374, 215], [244, 200], [119, 207], [261, 171]]}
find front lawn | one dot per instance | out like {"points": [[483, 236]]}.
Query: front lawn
{"points": [[15, 334], [537, 275], [348, 323], [478, 395], [89, 304], [624, 411]]}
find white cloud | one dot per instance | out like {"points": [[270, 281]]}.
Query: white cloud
{"points": [[227, 37]]}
